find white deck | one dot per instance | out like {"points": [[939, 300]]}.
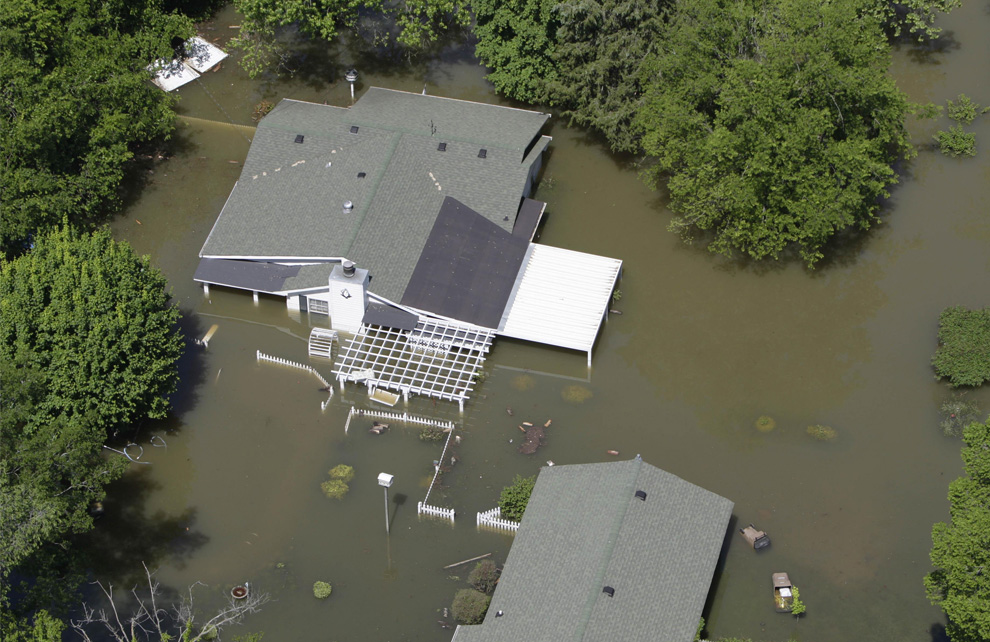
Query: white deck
{"points": [[560, 297], [170, 75]]}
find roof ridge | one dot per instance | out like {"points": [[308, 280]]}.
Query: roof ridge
{"points": [[460, 100], [636, 465]]}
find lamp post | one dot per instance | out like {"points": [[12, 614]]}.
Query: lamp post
{"points": [[385, 480], [351, 76]]}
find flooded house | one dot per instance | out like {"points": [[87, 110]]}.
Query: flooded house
{"points": [[608, 551], [406, 219]]}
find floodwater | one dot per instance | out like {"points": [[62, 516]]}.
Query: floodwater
{"points": [[704, 346]]}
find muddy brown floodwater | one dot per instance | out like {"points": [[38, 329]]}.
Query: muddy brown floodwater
{"points": [[703, 347]]}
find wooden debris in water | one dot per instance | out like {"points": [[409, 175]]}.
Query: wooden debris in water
{"points": [[522, 429], [378, 428], [473, 559], [508, 409], [547, 425], [612, 452], [528, 424], [534, 439]]}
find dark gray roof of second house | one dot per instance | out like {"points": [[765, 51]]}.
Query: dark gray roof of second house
{"points": [[289, 201], [584, 529]]}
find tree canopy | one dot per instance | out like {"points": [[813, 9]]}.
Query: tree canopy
{"points": [[88, 345], [961, 548], [418, 23], [963, 353], [773, 122], [75, 103]]}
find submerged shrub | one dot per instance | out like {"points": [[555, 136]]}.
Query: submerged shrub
{"points": [[822, 433], [575, 394], [956, 415], [432, 433], [334, 488], [484, 576], [343, 472], [470, 606], [765, 424], [322, 590], [515, 498]]}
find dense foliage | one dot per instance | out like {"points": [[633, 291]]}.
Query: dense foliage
{"points": [[774, 124], [419, 23], [75, 102], [470, 606], [963, 353], [961, 548], [517, 40], [484, 576], [515, 498], [88, 345]]}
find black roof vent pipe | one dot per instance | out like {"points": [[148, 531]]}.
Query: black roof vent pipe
{"points": [[641, 494], [609, 590]]}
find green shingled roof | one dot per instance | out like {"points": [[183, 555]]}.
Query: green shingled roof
{"points": [[288, 203], [584, 529]]}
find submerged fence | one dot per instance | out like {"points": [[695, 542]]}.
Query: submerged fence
{"points": [[293, 364], [422, 508], [493, 519], [404, 417]]}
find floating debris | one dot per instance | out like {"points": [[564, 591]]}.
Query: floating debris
{"points": [[527, 424], [612, 452], [508, 409], [547, 425], [522, 429], [378, 428], [550, 462], [534, 439], [619, 312]]}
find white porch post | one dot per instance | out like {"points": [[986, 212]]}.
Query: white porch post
{"points": [[206, 289]]}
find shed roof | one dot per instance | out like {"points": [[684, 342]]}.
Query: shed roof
{"points": [[584, 529], [560, 297], [288, 203]]}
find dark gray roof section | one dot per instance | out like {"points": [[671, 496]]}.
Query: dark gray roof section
{"points": [[584, 529], [389, 316], [467, 268], [528, 219], [245, 275], [288, 203]]}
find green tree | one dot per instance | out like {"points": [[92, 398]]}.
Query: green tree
{"points": [[419, 23], [914, 17], [515, 498], [773, 122], [963, 352], [961, 549], [75, 104], [601, 47], [470, 606], [88, 346], [517, 40]]}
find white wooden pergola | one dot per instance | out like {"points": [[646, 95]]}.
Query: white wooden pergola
{"points": [[438, 359]]}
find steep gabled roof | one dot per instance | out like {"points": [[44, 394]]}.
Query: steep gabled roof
{"points": [[585, 529]]}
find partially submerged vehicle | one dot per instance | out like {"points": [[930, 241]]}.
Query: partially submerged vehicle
{"points": [[783, 597], [757, 539]]}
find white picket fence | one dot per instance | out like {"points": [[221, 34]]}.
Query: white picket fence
{"points": [[324, 404], [436, 473], [493, 519], [404, 417], [423, 508], [292, 364]]}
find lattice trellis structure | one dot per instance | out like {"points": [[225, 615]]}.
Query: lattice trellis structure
{"points": [[437, 359]]}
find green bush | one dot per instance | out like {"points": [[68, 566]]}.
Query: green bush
{"points": [[963, 353], [343, 472], [335, 488], [484, 576], [432, 433], [514, 498], [470, 606], [956, 415], [322, 590], [822, 433], [956, 142], [965, 110]]}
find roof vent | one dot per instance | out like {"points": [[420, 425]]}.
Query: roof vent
{"points": [[361, 174], [609, 590], [299, 138], [641, 494], [482, 153], [354, 129], [348, 268], [442, 147], [499, 613], [348, 207]]}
